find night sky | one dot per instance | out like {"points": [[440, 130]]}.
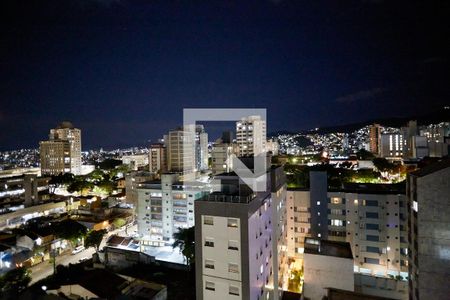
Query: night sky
{"points": [[122, 71]]}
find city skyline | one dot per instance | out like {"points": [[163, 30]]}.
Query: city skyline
{"points": [[123, 71]]}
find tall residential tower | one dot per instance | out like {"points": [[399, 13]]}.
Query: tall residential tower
{"points": [[62, 152]]}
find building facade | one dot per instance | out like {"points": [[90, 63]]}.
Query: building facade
{"points": [[62, 152], [221, 157], [327, 264], [374, 138], [180, 151], [372, 220], [165, 205], [240, 240], [201, 148], [272, 146], [391, 145], [157, 158], [251, 135], [428, 193], [135, 161]]}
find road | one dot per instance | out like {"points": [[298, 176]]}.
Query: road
{"points": [[45, 268]]}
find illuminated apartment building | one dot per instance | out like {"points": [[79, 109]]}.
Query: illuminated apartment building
{"points": [[251, 135], [165, 205], [157, 158], [62, 152], [372, 218], [240, 240]]}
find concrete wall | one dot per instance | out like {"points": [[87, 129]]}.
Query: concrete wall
{"points": [[322, 271], [433, 235]]}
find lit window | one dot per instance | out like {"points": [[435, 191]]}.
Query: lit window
{"points": [[335, 222], [355, 201], [336, 200], [318, 202], [415, 206]]}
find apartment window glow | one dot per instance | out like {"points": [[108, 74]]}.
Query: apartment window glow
{"points": [[335, 200], [335, 222], [415, 206]]}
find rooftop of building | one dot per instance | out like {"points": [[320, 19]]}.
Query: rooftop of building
{"points": [[243, 198], [328, 248], [433, 167], [65, 125], [178, 185], [371, 188], [338, 294], [362, 188]]}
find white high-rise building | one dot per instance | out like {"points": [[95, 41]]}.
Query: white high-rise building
{"points": [[240, 250], [201, 148], [165, 205], [273, 146], [251, 136], [221, 157], [180, 150], [372, 218], [62, 152]]}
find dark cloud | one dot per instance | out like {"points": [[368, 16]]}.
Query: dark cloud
{"points": [[361, 95]]}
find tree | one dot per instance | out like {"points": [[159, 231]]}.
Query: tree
{"points": [[383, 165], [119, 222], [80, 185], [14, 282], [120, 170], [59, 180], [70, 230], [185, 241], [363, 154], [106, 186], [94, 239], [96, 176], [109, 164]]}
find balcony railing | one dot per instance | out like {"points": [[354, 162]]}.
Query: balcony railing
{"points": [[229, 198]]}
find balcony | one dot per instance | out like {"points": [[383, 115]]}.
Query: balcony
{"points": [[229, 198]]}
